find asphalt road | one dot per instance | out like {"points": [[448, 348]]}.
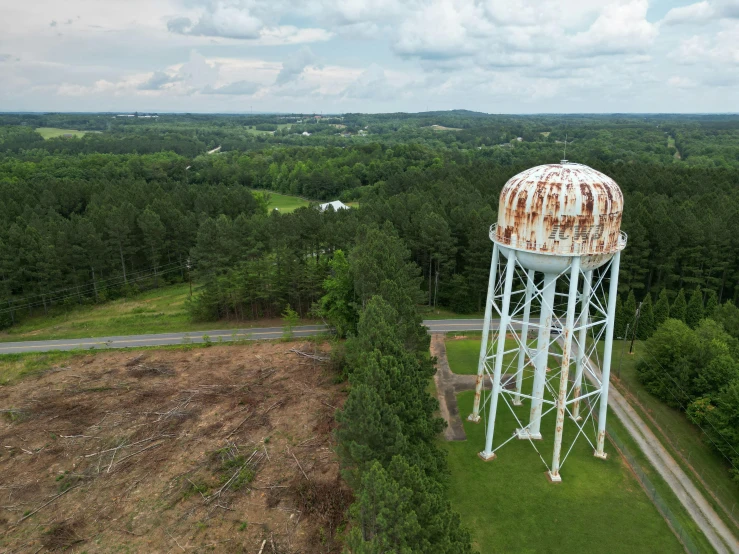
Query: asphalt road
{"points": [[163, 339]]}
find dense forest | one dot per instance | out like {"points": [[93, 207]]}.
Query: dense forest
{"points": [[90, 218]]}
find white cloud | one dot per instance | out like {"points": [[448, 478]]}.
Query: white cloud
{"points": [[158, 80], [443, 29], [294, 65], [237, 88], [241, 20], [621, 28], [372, 83], [198, 73], [702, 12], [681, 82], [492, 55]]}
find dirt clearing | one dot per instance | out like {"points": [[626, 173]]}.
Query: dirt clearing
{"points": [[221, 449]]}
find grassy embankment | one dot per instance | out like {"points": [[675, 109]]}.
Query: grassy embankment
{"points": [[690, 447], [160, 310], [53, 132], [509, 504], [442, 313]]}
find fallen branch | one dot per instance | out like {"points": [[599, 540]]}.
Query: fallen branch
{"points": [[127, 446], [298, 462], [44, 505], [311, 356], [137, 453], [239, 425]]}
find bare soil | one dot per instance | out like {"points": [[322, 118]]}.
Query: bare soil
{"points": [[221, 449]]}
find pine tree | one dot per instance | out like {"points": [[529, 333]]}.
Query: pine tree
{"points": [[153, 230], [646, 319], [695, 309], [661, 308], [679, 306], [711, 303], [629, 315]]}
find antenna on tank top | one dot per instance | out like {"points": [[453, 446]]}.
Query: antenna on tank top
{"points": [[564, 156]]}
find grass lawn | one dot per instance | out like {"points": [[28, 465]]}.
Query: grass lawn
{"points": [[510, 506], [53, 132], [464, 354], [280, 126], [156, 311], [687, 443], [284, 203]]}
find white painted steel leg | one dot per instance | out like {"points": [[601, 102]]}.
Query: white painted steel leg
{"points": [[541, 358], [581, 341], [523, 349], [565, 373], [608, 347], [475, 415], [488, 453]]}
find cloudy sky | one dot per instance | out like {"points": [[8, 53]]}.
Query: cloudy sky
{"points": [[497, 56]]}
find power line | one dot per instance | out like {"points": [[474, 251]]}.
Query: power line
{"points": [[100, 283], [78, 291]]}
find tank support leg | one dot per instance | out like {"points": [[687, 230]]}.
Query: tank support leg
{"points": [[523, 350], [608, 348], [582, 338], [488, 453], [533, 431], [475, 415], [564, 375]]}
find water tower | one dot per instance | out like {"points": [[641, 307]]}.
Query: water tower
{"points": [[551, 296]]}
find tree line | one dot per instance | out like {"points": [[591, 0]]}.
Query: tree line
{"points": [[691, 363], [387, 427]]}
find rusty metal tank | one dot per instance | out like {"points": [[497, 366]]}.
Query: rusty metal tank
{"points": [[553, 212]]}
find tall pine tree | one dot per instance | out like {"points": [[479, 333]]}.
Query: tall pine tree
{"points": [[711, 303], [629, 315], [646, 319], [695, 309], [679, 306], [661, 308]]}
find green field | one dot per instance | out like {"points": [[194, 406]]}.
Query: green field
{"points": [[687, 443], [284, 203], [464, 354], [160, 310], [53, 132], [280, 126], [510, 506]]}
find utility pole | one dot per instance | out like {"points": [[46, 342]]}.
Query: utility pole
{"points": [[626, 337], [189, 279], [636, 326]]}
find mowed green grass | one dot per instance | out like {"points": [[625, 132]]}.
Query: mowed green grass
{"points": [[464, 354], [53, 132], [284, 203], [684, 438], [510, 506], [280, 126], [159, 310]]}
